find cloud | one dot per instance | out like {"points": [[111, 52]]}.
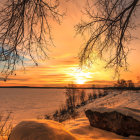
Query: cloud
{"points": [[100, 82], [15, 79], [55, 76]]}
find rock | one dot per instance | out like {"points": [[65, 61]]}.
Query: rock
{"points": [[114, 121], [40, 130]]}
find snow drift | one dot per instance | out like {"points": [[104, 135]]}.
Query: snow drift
{"points": [[80, 127], [40, 130]]}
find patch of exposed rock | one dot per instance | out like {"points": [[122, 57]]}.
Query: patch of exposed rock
{"points": [[114, 121]]}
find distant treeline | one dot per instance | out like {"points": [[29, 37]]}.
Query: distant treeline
{"points": [[120, 84], [111, 87]]}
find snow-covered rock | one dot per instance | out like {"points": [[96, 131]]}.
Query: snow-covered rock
{"points": [[122, 121], [40, 130]]}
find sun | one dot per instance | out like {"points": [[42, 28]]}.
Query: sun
{"points": [[81, 77], [80, 81]]}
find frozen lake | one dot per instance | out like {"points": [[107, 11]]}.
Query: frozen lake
{"points": [[25, 103], [30, 103]]}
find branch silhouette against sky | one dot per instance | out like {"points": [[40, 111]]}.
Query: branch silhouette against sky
{"points": [[25, 31], [109, 25]]}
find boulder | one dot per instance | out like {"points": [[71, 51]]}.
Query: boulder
{"points": [[118, 121], [40, 130]]}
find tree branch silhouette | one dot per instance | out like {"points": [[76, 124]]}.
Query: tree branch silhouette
{"points": [[25, 31], [109, 29]]}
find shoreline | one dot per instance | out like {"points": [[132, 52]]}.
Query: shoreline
{"points": [[107, 88]]}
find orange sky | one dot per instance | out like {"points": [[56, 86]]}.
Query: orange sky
{"points": [[63, 67]]}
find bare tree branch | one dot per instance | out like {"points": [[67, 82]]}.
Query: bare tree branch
{"points": [[109, 29], [25, 31]]}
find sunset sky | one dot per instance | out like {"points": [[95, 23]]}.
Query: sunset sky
{"points": [[62, 67]]}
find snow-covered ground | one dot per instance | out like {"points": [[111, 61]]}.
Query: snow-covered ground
{"points": [[25, 103], [29, 103], [130, 100], [40, 130], [83, 131]]}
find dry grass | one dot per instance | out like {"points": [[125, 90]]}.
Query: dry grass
{"points": [[75, 98], [5, 125]]}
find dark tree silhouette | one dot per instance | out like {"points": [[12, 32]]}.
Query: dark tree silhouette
{"points": [[25, 30], [109, 27], [121, 83], [130, 84], [82, 97]]}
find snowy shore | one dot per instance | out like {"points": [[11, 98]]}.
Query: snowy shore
{"points": [[80, 127]]}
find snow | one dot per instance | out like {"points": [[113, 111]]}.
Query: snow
{"points": [[29, 103], [127, 102], [126, 99], [83, 131], [40, 130], [135, 113]]}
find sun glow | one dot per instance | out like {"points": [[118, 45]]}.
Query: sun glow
{"points": [[80, 81], [81, 77]]}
